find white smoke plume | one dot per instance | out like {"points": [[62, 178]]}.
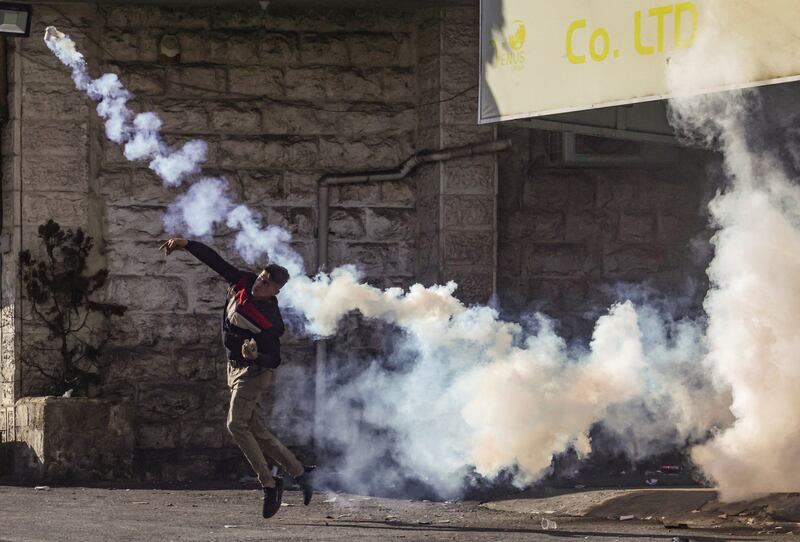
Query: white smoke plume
{"points": [[206, 203], [478, 391], [753, 306], [141, 137]]}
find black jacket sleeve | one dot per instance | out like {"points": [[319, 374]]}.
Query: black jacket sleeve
{"points": [[209, 257]]}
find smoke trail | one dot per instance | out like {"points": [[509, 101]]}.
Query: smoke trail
{"points": [[206, 202], [753, 306]]}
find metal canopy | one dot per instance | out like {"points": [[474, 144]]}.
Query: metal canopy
{"points": [[645, 122]]}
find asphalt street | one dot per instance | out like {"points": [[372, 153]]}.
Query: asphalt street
{"points": [[88, 514]]}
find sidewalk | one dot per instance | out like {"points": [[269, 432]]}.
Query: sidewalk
{"points": [[692, 507]]}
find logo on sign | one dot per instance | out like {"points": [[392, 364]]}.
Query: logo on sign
{"points": [[511, 54]]}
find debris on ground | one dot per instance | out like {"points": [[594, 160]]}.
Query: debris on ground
{"points": [[626, 517], [42, 488], [549, 524]]}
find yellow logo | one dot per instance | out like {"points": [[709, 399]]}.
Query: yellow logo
{"points": [[517, 39], [511, 53]]}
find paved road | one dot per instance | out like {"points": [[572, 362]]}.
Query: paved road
{"points": [[88, 514]]}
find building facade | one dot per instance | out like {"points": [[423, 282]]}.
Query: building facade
{"points": [[283, 98]]}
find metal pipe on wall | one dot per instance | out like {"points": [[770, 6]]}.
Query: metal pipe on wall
{"points": [[323, 217]]}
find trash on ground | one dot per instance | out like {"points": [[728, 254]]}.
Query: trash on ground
{"points": [[549, 524], [626, 517], [651, 481], [230, 526], [332, 499], [140, 502], [42, 488]]}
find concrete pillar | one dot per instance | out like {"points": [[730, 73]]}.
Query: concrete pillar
{"points": [[456, 204]]}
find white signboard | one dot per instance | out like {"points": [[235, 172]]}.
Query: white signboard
{"points": [[541, 57]]}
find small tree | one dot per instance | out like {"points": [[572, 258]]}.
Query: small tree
{"points": [[60, 292]]}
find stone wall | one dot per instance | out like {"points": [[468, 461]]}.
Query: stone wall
{"points": [[46, 174], [572, 236], [281, 100], [457, 199], [73, 440]]}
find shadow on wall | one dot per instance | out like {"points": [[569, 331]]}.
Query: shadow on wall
{"points": [[16, 458], [494, 20]]}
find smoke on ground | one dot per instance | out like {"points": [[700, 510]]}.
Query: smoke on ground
{"points": [[467, 391]]}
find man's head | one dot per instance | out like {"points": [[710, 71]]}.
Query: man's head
{"points": [[270, 281]]}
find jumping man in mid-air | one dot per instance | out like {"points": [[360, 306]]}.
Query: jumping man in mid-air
{"points": [[251, 331]]}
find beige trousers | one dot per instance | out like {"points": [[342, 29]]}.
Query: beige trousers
{"points": [[246, 425]]}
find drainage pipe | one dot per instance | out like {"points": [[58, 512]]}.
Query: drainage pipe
{"points": [[323, 218]]}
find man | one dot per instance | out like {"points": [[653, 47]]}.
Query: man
{"points": [[251, 331]]}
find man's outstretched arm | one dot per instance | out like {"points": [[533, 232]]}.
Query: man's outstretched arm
{"points": [[206, 255]]}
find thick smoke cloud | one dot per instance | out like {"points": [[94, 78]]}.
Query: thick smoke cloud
{"points": [[467, 391], [753, 306], [478, 392]]}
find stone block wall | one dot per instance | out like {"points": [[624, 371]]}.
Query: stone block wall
{"points": [[456, 204], [46, 174], [73, 440], [571, 237], [281, 99]]}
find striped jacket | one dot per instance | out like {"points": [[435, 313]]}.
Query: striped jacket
{"points": [[244, 317]]}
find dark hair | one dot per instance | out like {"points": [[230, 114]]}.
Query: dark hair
{"points": [[277, 274]]}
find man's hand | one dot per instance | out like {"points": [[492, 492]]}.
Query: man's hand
{"points": [[176, 243], [249, 349]]}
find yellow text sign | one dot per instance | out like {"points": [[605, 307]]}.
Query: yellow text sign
{"points": [[541, 57]]}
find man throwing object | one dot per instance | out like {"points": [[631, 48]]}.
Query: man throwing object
{"points": [[251, 331]]}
